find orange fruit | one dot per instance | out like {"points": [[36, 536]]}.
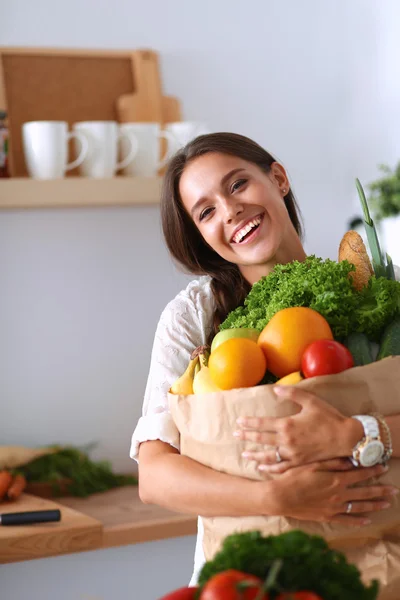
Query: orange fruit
{"points": [[237, 363], [286, 336]]}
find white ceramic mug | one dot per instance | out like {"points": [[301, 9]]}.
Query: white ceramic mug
{"points": [[46, 148], [103, 137], [184, 132], [147, 160]]}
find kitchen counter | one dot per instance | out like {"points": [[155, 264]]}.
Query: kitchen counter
{"points": [[108, 519]]}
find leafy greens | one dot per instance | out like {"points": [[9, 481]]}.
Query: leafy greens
{"points": [[325, 286], [307, 564]]}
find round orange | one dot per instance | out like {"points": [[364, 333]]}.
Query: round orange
{"points": [[237, 363], [286, 336]]}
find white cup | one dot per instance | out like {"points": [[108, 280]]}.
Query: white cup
{"points": [[103, 137], [184, 132], [147, 160], [46, 148]]}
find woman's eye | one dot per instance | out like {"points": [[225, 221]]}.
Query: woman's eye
{"points": [[205, 213], [238, 184]]}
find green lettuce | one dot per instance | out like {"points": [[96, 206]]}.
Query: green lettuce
{"points": [[325, 286]]}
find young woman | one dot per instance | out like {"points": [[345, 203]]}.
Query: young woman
{"points": [[229, 216]]}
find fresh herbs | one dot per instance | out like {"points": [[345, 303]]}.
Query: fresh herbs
{"points": [[325, 286], [385, 197], [86, 476], [307, 564]]}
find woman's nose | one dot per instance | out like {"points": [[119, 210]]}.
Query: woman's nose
{"points": [[232, 210]]}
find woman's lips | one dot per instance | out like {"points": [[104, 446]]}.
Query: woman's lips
{"points": [[249, 236]]}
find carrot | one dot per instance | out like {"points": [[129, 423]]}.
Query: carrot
{"points": [[17, 487], [5, 482]]}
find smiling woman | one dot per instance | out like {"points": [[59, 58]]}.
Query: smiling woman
{"points": [[240, 211], [214, 191], [229, 216]]}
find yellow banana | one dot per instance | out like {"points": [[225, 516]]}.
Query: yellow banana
{"points": [[184, 385], [290, 379], [203, 383]]}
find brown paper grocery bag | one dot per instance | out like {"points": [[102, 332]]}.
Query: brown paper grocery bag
{"points": [[206, 423]]}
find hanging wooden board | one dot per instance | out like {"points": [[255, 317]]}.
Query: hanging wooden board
{"points": [[147, 103]]}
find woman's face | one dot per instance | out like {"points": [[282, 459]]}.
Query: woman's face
{"points": [[240, 212]]}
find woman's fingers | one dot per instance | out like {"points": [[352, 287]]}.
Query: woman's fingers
{"points": [[258, 423], [337, 464], [267, 456], [359, 512], [362, 474], [358, 508], [372, 492], [259, 437], [350, 521]]}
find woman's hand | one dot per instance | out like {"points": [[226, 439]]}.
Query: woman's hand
{"points": [[323, 492], [318, 432]]}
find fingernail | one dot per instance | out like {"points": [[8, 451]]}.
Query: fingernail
{"points": [[237, 433], [246, 454], [240, 421], [280, 390], [394, 491], [386, 505], [262, 468], [366, 522]]}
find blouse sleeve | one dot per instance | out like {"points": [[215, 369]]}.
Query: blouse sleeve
{"points": [[180, 330]]}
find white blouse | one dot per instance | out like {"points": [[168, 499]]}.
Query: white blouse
{"points": [[184, 324]]}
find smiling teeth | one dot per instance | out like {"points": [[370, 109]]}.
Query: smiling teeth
{"points": [[242, 232]]}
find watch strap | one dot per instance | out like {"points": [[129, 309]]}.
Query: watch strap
{"points": [[370, 425]]}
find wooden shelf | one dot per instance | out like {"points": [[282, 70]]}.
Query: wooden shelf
{"points": [[73, 192], [109, 519]]}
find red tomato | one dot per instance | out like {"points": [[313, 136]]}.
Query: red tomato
{"points": [[230, 585], [185, 593], [325, 357], [299, 596]]}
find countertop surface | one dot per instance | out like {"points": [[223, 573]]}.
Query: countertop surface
{"points": [[113, 518]]}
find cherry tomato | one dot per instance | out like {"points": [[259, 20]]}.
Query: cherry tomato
{"points": [[325, 357], [299, 596], [231, 585], [185, 593]]}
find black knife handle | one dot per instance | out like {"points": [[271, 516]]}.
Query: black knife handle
{"points": [[25, 518]]}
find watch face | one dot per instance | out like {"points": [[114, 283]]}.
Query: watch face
{"points": [[372, 453]]}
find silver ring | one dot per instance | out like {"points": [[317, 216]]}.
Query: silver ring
{"points": [[349, 507], [277, 455]]}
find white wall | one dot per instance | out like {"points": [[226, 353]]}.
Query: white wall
{"points": [[81, 290]]}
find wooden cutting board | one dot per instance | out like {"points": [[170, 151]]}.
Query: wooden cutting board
{"points": [[147, 103], [76, 532]]}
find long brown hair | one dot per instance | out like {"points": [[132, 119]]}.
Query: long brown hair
{"points": [[183, 239]]}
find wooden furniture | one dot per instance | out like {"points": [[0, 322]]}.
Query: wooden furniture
{"points": [[74, 533], [79, 85], [25, 193], [109, 519]]}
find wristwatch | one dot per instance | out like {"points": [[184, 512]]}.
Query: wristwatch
{"points": [[370, 450]]}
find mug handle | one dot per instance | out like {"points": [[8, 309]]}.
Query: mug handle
{"points": [[132, 139], [84, 149], [170, 151]]}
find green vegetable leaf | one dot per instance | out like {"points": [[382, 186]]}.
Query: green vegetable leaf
{"points": [[86, 476], [325, 286], [307, 563]]}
